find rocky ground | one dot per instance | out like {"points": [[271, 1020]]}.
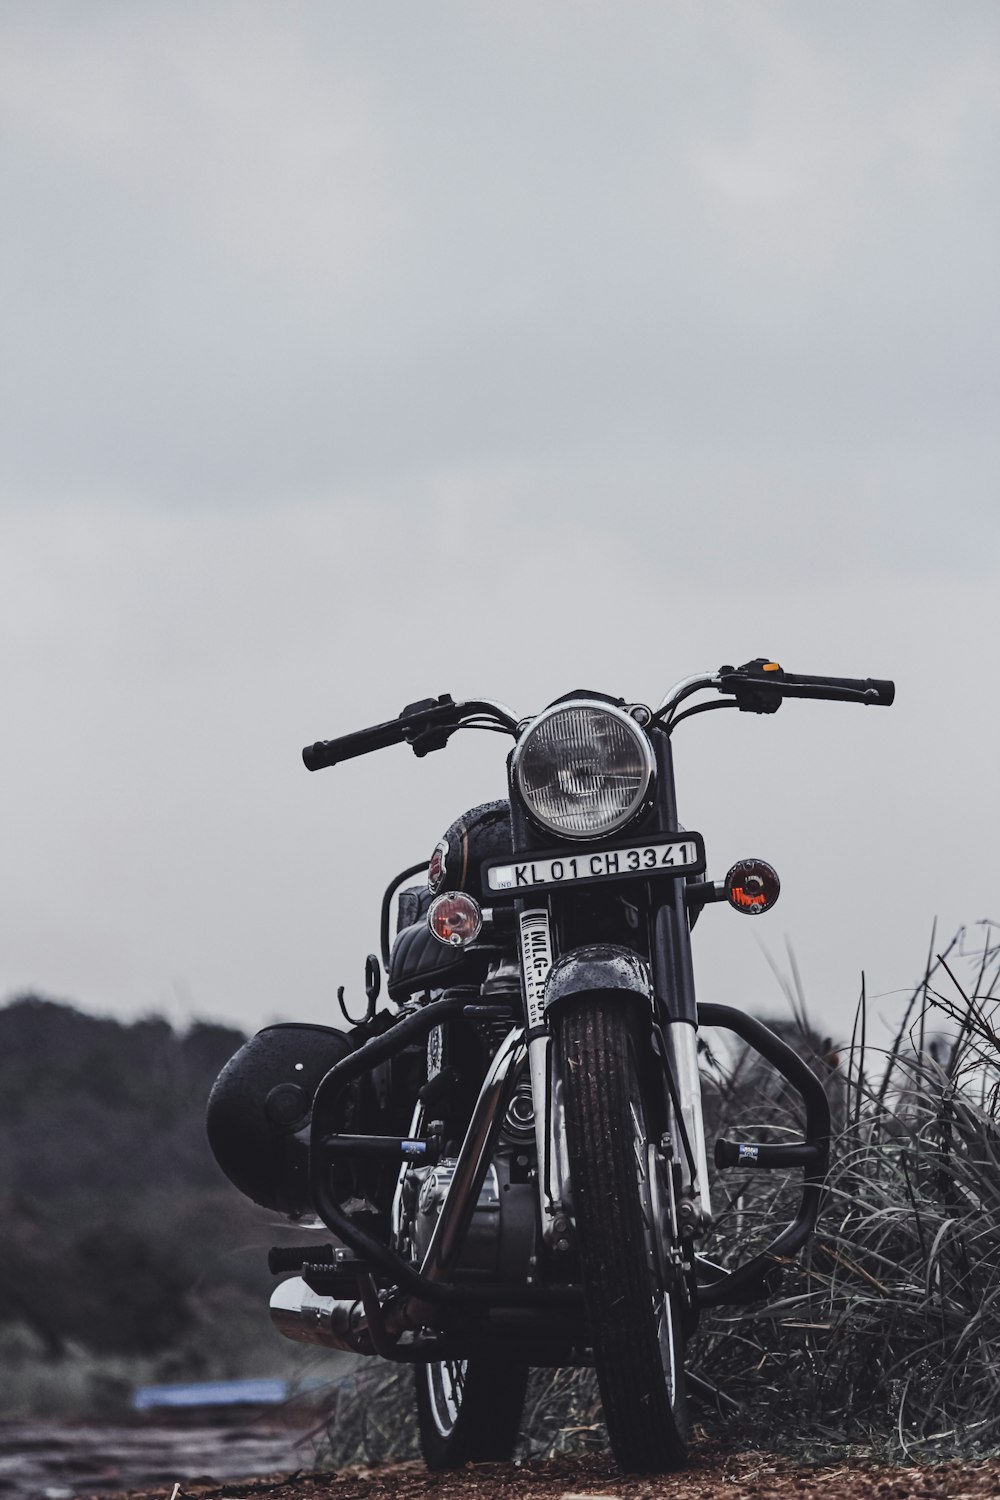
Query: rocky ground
{"points": [[56, 1461], [712, 1476]]}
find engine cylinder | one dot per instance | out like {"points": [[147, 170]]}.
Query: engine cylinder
{"points": [[500, 1237]]}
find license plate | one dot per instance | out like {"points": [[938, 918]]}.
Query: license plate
{"points": [[684, 855]]}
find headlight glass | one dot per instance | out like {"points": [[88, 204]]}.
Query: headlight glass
{"points": [[583, 769]]}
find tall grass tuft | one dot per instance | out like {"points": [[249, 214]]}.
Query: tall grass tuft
{"points": [[888, 1330]]}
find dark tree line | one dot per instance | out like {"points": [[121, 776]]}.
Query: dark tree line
{"points": [[118, 1229]]}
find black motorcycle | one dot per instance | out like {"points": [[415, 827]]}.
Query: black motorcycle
{"points": [[509, 1166]]}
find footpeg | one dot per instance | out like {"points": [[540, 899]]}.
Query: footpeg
{"points": [[748, 1154], [284, 1258], [336, 1279]]}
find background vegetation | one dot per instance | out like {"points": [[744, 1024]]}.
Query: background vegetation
{"points": [[125, 1255], [887, 1331]]}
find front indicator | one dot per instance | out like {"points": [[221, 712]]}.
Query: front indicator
{"points": [[752, 887], [455, 919]]}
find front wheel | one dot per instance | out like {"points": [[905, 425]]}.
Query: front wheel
{"points": [[469, 1410], [635, 1318]]}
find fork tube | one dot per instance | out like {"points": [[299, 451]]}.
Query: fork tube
{"points": [[683, 1042], [536, 961], [673, 985], [666, 795], [546, 1090], [670, 932]]}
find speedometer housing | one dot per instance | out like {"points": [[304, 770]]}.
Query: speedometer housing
{"points": [[583, 769]]}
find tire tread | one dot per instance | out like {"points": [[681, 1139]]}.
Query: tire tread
{"points": [[647, 1433]]}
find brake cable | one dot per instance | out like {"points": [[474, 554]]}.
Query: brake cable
{"points": [[699, 708]]}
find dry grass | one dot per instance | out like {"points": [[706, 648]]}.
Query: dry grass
{"points": [[888, 1331]]}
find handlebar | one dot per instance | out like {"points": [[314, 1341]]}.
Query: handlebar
{"points": [[424, 726], [347, 746], [758, 687], [873, 690]]}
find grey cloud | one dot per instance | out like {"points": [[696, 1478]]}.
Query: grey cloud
{"points": [[365, 352], [559, 245]]}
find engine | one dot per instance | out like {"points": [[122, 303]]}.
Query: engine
{"points": [[500, 1241]]}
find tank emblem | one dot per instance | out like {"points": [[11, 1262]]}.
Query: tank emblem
{"points": [[437, 867]]}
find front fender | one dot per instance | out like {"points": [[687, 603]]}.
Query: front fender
{"points": [[599, 966]]}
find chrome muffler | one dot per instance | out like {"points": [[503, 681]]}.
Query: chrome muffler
{"points": [[302, 1314]]}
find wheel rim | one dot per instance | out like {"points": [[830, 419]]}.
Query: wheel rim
{"points": [[445, 1387], [663, 1311], [667, 1341]]}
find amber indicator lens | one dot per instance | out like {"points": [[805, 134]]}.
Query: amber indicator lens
{"points": [[455, 919], [752, 886]]}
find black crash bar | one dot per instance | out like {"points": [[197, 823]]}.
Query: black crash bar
{"points": [[322, 1148], [752, 1280]]}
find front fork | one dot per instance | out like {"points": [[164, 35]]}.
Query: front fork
{"points": [[673, 985], [694, 1208], [554, 1200], [692, 1199]]}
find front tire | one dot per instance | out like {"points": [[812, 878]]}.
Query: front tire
{"points": [[469, 1411], [635, 1321]]}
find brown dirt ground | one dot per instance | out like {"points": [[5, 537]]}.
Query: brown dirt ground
{"points": [[711, 1476]]}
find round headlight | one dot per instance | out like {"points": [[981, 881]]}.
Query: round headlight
{"points": [[583, 769]]}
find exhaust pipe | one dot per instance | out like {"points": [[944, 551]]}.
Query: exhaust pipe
{"points": [[302, 1314]]}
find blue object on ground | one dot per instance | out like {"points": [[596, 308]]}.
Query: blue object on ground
{"points": [[214, 1393]]}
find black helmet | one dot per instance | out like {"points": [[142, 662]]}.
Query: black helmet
{"points": [[260, 1109]]}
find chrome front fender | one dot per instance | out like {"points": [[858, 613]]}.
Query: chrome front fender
{"points": [[598, 967]]}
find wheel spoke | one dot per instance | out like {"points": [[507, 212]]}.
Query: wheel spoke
{"points": [[446, 1381], [469, 1410]]}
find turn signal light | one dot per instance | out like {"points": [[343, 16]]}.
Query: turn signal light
{"points": [[455, 919], [752, 887]]}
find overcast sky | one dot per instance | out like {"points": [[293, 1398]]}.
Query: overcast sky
{"points": [[356, 352]]}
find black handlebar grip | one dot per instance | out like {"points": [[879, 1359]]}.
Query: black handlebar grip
{"points": [[331, 752], [877, 691], [885, 689]]}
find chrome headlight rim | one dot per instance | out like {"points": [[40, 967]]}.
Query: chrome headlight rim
{"points": [[640, 800]]}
